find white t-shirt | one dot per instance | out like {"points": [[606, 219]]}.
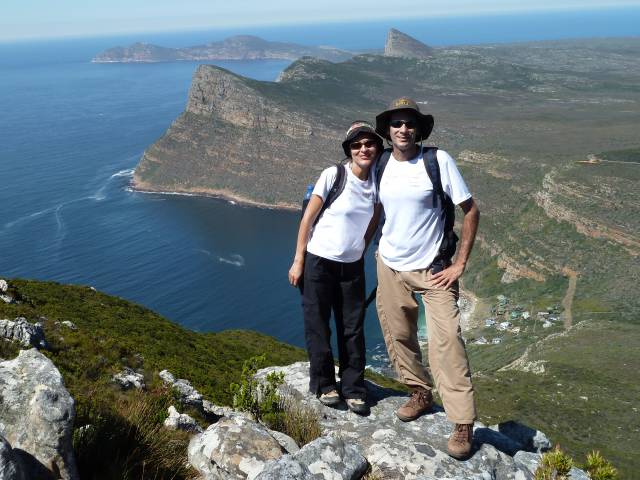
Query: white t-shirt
{"points": [[339, 233], [413, 229]]}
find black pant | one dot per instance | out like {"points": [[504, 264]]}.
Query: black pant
{"points": [[329, 285]]}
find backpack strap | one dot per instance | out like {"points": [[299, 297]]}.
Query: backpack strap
{"points": [[336, 189], [448, 209], [381, 164]]}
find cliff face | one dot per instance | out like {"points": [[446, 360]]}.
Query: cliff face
{"points": [[235, 141], [402, 45]]}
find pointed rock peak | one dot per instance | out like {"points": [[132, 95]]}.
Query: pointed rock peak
{"points": [[402, 45]]}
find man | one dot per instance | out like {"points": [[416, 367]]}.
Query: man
{"points": [[410, 260]]}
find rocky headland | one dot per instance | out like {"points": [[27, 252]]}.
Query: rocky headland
{"points": [[240, 47]]}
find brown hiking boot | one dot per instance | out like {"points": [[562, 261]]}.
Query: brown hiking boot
{"points": [[420, 402], [459, 445]]}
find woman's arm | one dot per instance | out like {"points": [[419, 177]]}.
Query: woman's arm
{"points": [[310, 214]]}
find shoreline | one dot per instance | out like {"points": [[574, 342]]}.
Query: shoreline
{"points": [[219, 194]]}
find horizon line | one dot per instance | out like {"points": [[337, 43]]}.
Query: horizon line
{"points": [[261, 25]]}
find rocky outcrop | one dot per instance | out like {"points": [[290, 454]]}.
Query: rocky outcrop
{"points": [[240, 47], [181, 421], [414, 450], [37, 415], [188, 395], [323, 458], [234, 447], [20, 330], [129, 378], [242, 140], [402, 45]]}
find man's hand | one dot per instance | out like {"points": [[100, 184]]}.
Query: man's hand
{"points": [[447, 277], [295, 272]]}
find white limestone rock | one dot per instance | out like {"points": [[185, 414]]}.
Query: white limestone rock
{"points": [[188, 394], [413, 450], [28, 334], [233, 448], [288, 444], [129, 378], [37, 415], [4, 286], [181, 421]]}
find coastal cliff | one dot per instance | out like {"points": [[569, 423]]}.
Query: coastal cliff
{"points": [[239, 47], [236, 141]]}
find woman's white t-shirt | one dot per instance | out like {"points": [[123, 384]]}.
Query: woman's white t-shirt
{"points": [[339, 233], [413, 229]]}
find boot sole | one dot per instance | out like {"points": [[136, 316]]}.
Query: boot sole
{"points": [[464, 456]]}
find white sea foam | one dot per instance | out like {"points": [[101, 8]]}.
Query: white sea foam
{"points": [[234, 259], [128, 172], [27, 217]]}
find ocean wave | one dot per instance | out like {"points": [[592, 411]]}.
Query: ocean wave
{"points": [[28, 217], [235, 259], [127, 172], [100, 194]]}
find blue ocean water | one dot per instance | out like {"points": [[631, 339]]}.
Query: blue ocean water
{"points": [[71, 133]]}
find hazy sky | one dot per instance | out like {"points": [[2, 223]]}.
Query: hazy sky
{"points": [[20, 19]]}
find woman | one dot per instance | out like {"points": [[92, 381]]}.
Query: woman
{"points": [[329, 268]]}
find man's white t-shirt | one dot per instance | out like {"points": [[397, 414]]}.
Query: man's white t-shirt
{"points": [[339, 233], [413, 229]]}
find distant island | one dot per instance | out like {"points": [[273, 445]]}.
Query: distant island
{"points": [[240, 47]]}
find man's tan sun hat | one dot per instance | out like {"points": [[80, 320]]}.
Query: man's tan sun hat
{"points": [[401, 104]]}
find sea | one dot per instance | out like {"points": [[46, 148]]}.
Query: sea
{"points": [[72, 133]]}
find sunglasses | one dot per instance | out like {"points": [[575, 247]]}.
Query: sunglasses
{"points": [[359, 145], [410, 124]]}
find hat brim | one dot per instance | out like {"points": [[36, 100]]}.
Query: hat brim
{"points": [[360, 131], [424, 120]]}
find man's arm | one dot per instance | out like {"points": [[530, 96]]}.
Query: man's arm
{"points": [[446, 277]]}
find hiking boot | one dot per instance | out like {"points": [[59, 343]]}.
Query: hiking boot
{"points": [[459, 445], [359, 406], [420, 402], [330, 398]]}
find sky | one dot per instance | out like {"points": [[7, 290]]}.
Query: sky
{"points": [[30, 19]]}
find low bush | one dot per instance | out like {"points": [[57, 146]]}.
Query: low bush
{"points": [[264, 401], [600, 468]]}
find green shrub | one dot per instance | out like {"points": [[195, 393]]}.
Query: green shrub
{"points": [[260, 399], [264, 402], [554, 465], [599, 468]]}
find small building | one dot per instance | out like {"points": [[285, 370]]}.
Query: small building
{"points": [[496, 341], [503, 325]]}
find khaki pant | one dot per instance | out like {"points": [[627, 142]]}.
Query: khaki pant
{"points": [[398, 314]]}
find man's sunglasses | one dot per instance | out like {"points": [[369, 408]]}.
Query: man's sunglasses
{"points": [[358, 145], [410, 124]]}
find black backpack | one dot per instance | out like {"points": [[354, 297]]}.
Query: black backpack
{"points": [[336, 189], [448, 212]]}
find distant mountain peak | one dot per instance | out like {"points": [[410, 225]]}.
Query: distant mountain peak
{"points": [[402, 45]]}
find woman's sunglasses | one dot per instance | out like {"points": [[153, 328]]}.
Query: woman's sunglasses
{"points": [[359, 145]]}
